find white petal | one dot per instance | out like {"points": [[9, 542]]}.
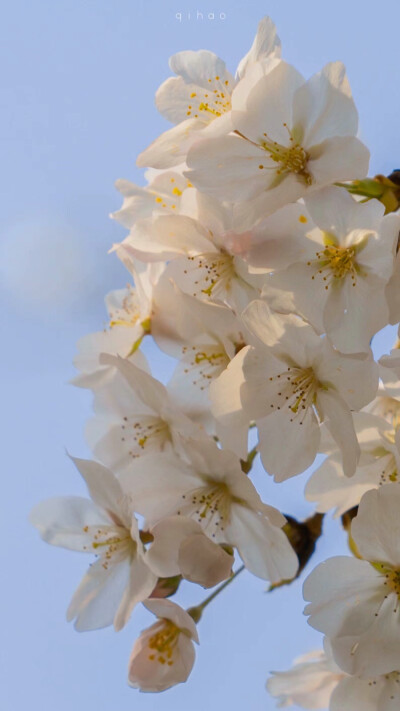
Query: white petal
{"points": [[96, 600], [198, 67], [171, 147], [168, 610], [203, 562], [375, 650], [225, 393], [226, 167], [168, 534], [376, 528], [269, 106], [337, 418], [345, 593], [150, 391], [353, 693], [338, 159], [266, 42], [167, 475], [288, 443], [104, 487], [331, 489], [141, 583], [62, 522], [263, 547], [322, 109]]}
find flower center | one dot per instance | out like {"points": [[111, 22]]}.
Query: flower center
{"points": [[149, 433], [213, 273], [206, 362], [108, 540], [209, 505], [162, 644], [213, 102], [298, 387], [392, 577], [334, 263], [389, 473], [128, 313], [290, 159]]}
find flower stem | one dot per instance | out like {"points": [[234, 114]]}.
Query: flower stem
{"points": [[247, 464], [196, 612]]}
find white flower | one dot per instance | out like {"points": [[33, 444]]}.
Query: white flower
{"points": [[198, 99], [129, 312], [291, 137], [164, 653], [162, 195], [316, 682], [289, 383], [211, 488], [379, 464], [339, 283], [203, 250], [180, 547], [204, 337], [135, 416], [356, 602], [106, 527], [309, 683]]}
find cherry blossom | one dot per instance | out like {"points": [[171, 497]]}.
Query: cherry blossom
{"points": [[289, 383], [106, 527], [309, 683], [129, 312], [356, 602], [379, 464], [164, 653], [262, 261], [198, 99], [290, 137], [339, 284], [135, 415], [210, 487]]}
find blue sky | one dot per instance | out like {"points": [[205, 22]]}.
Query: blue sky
{"points": [[77, 87]]}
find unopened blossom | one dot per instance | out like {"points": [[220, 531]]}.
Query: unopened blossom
{"points": [[106, 527], [356, 602], [163, 655], [208, 485], [180, 547], [135, 416], [379, 464], [290, 138], [289, 383], [309, 683], [338, 285], [198, 98]]}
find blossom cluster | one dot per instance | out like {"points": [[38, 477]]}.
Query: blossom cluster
{"points": [[263, 260]]}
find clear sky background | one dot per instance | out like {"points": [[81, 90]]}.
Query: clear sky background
{"points": [[77, 84]]}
